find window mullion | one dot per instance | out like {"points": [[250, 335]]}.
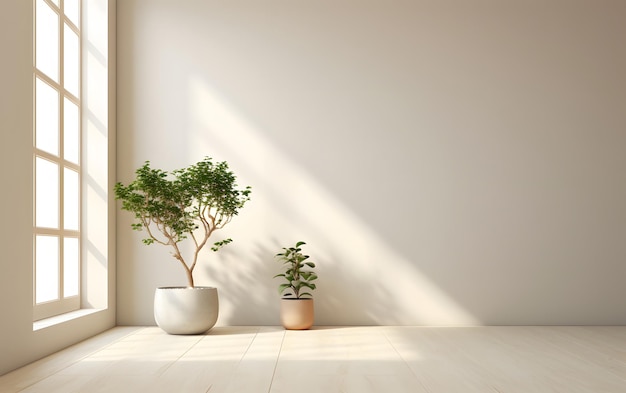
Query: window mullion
{"points": [[48, 80], [61, 146], [62, 156], [52, 5]]}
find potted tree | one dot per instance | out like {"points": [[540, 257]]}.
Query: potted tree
{"points": [[296, 304], [185, 204]]}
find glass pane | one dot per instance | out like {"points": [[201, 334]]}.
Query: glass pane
{"points": [[71, 61], [47, 40], [71, 205], [46, 268], [46, 194], [70, 266], [47, 118], [71, 123], [72, 11]]}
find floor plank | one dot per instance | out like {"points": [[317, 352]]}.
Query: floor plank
{"points": [[253, 359], [342, 360]]}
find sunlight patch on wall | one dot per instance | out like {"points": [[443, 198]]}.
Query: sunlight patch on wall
{"points": [[364, 279]]}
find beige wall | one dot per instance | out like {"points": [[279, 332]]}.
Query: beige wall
{"points": [[448, 162], [19, 343]]}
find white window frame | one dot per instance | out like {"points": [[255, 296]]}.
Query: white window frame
{"points": [[62, 304]]}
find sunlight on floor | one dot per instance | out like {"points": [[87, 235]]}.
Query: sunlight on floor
{"points": [[262, 359]]}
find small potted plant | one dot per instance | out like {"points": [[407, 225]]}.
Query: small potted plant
{"points": [[185, 204], [296, 304]]}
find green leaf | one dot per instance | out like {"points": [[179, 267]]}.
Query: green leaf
{"points": [[282, 287], [220, 244]]}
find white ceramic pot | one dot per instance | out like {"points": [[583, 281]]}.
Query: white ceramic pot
{"points": [[296, 314], [182, 310]]}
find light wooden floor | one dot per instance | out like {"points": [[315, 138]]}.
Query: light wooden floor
{"points": [[336, 359]]}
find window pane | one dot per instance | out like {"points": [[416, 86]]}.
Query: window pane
{"points": [[72, 11], [46, 268], [71, 206], [71, 60], [47, 51], [46, 194], [71, 127], [47, 118], [70, 266]]}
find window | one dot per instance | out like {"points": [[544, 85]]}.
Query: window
{"points": [[57, 157]]}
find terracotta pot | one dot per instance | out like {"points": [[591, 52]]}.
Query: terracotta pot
{"points": [[296, 314], [180, 310]]}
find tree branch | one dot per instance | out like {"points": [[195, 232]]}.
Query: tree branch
{"points": [[147, 225]]}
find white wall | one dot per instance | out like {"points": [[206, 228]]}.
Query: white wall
{"points": [[19, 342], [448, 162]]}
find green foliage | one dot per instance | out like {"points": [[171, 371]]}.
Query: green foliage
{"points": [[220, 244], [186, 203], [295, 276]]}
